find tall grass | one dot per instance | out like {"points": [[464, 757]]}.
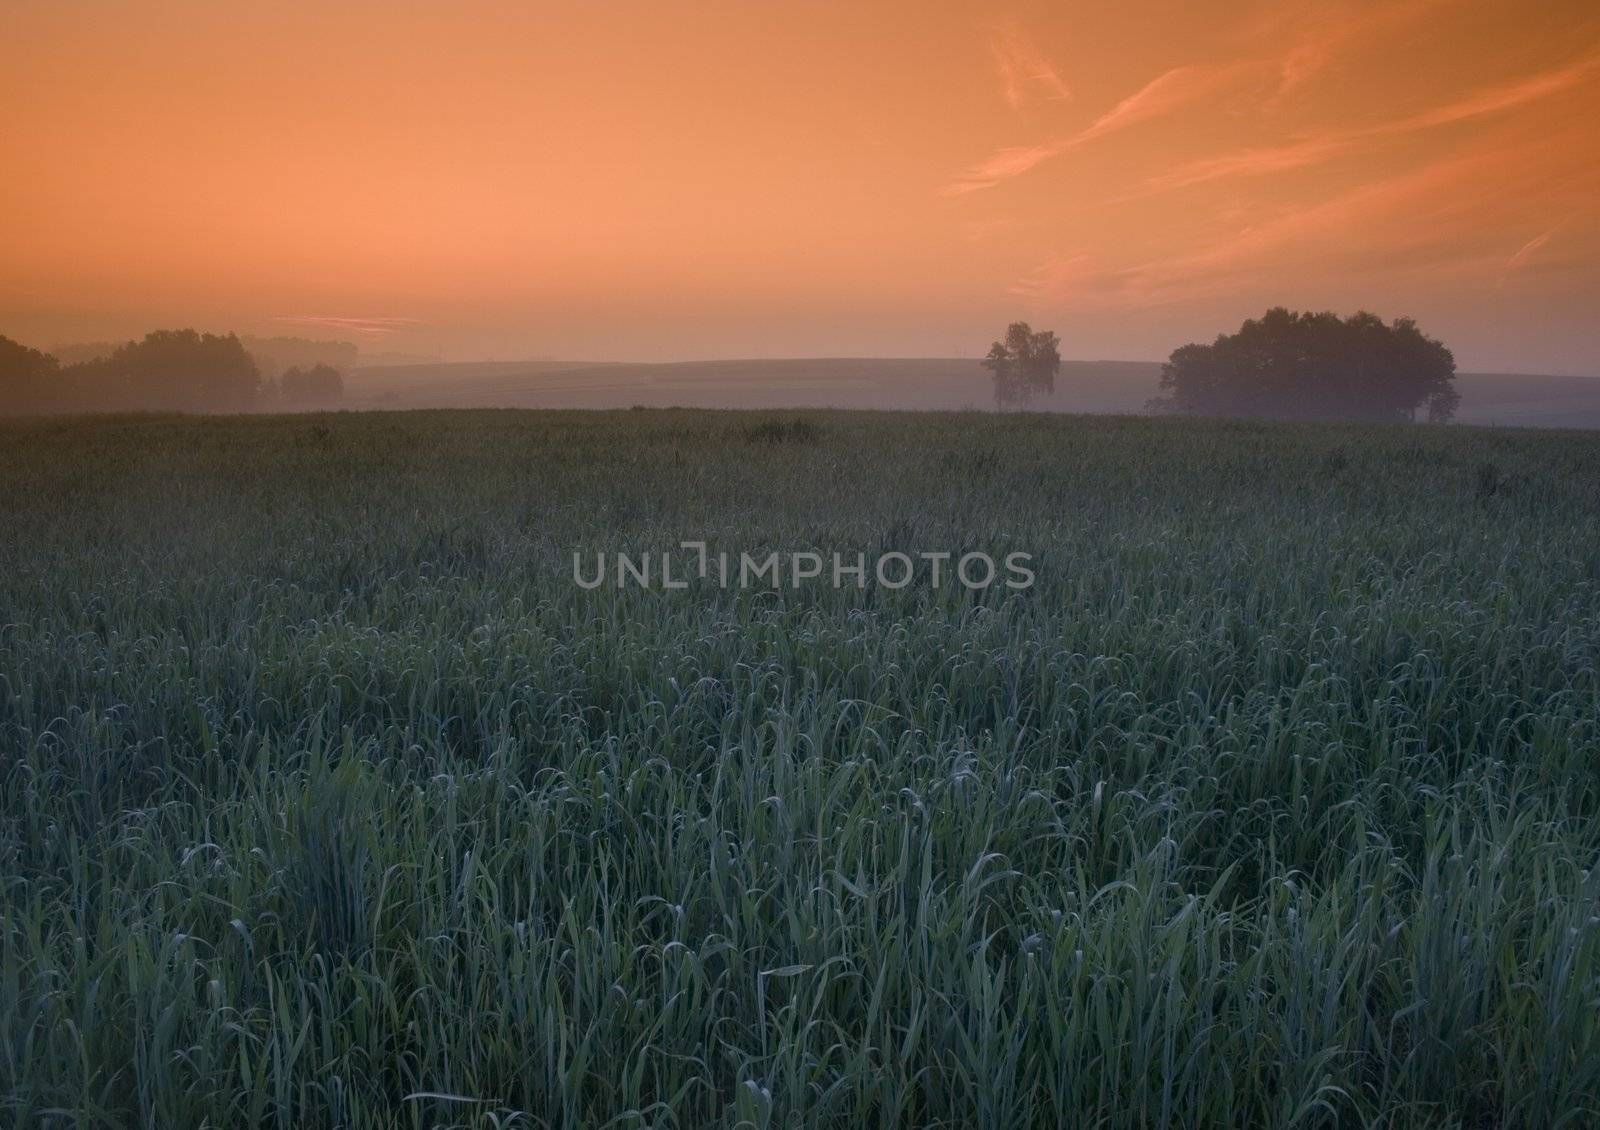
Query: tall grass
{"points": [[330, 800]]}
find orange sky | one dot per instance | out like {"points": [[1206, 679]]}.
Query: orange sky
{"points": [[618, 178]]}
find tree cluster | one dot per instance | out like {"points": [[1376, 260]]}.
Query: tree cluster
{"points": [[168, 370], [315, 385], [275, 355], [1318, 366]]}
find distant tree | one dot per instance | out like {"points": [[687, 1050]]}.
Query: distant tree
{"points": [[170, 369], [1023, 364], [275, 354], [320, 384], [1291, 365], [1002, 368], [29, 380]]}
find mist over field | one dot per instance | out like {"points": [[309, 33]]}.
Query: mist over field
{"points": [[939, 383]]}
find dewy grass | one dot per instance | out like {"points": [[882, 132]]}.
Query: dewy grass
{"points": [[330, 800]]}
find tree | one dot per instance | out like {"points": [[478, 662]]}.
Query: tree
{"points": [[181, 370], [1023, 364], [320, 384], [275, 354], [1292, 365], [28, 378]]}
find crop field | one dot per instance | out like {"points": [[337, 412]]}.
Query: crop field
{"points": [[331, 799]]}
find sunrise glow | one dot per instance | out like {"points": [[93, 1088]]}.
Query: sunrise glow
{"points": [[661, 180]]}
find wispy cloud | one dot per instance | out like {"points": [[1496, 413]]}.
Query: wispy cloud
{"points": [[1003, 165], [1330, 30], [1528, 250], [1309, 151], [1495, 99], [1025, 75], [1249, 162], [1159, 96], [1428, 220], [373, 327]]}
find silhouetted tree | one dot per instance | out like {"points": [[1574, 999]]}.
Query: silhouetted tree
{"points": [[170, 369], [29, 380], [320, 384], [1023, 364], [1291, 365]]}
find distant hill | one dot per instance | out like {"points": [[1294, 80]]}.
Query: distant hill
{"points": [[874, 382], [832, 382]]}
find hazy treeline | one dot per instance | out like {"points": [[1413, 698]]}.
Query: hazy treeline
{"points": [[1285, 365], [276, 355], [314, 384], [273, 355], [174, 370]]}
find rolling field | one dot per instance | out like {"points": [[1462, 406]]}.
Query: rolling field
{"points": [[330, 798]]}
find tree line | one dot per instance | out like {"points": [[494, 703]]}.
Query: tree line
{"points": [[1283, 365], [168, 370]]}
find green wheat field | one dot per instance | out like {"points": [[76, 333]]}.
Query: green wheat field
{"points": [[329, 799]]}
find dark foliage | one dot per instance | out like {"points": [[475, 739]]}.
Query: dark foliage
{"points": [[319, 384], [1292, 365], [170, 370], [29, 379]]}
